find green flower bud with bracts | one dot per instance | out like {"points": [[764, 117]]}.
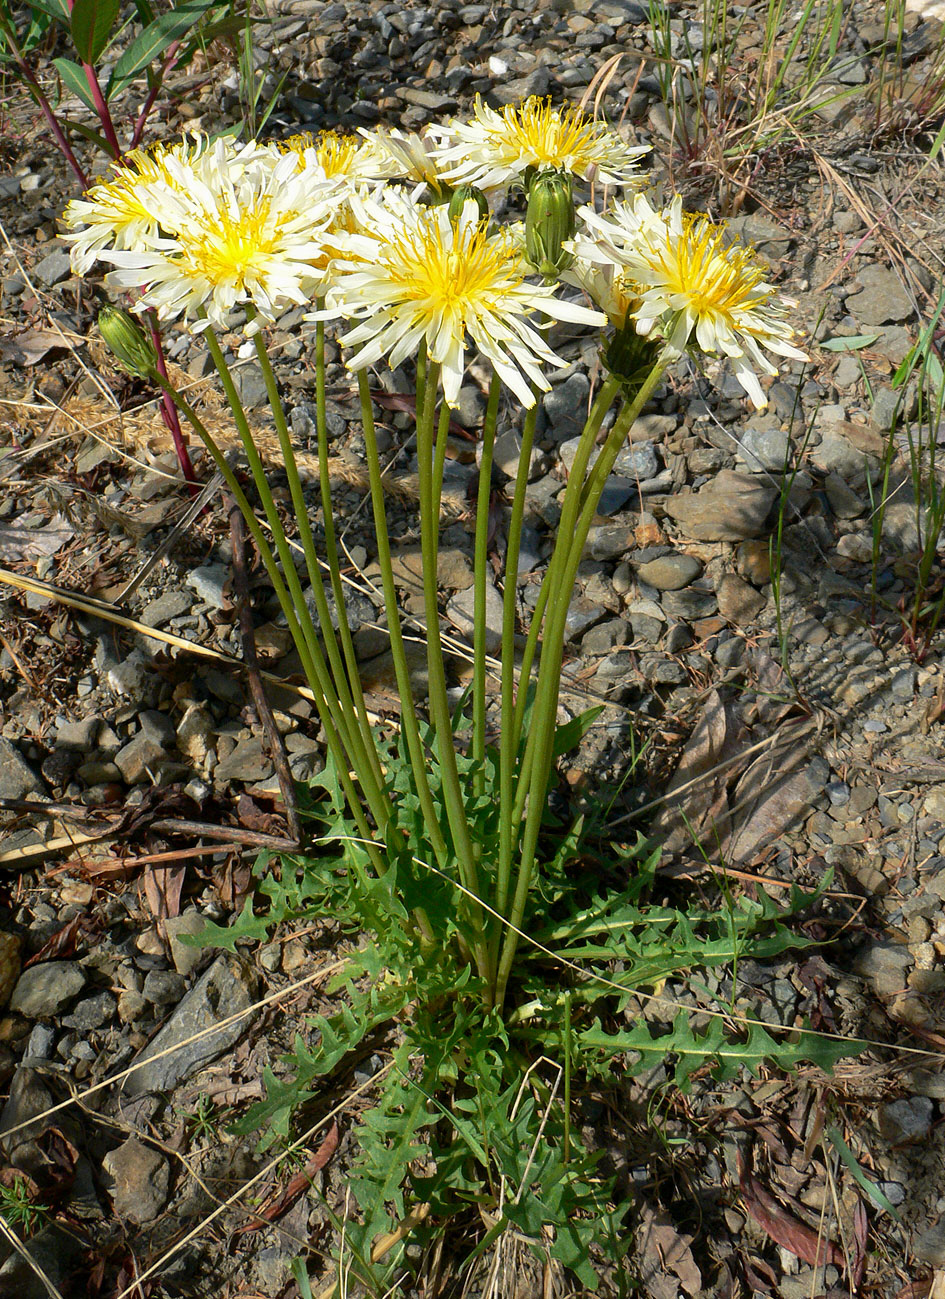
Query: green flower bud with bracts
{"points": [[464, 194], [127, 342], [630, 357], [549, 221]]}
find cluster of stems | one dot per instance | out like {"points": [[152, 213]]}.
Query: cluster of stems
{"points": [[492, 896]]}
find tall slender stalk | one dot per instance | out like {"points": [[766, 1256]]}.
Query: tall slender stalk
{"points": [[342, 716], [429, 456], [408, 714], [540, 744], [508, 746], [480, 569], [331, 548], [314, 670], [344, 670]]}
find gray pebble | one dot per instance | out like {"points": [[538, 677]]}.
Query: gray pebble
{"points": [[764, 449], [164, 987], [52, 269], [17, 777], [208, 581], [91, 1012], [46, 989], [565, 408], [167, 606], [671, 572]]}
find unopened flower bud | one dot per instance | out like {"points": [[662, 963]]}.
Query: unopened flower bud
{"points": [[127, 342], [549, 221], [630, 357], [464, 194]]}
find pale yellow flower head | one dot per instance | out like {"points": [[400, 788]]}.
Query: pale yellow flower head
{"points": [[407, 155], [237, 228], [351, 158], [421, 275], [694, 285], [120, 212], [495, 149]]}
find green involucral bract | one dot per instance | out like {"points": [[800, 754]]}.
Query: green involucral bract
{"points": [[549, 221]]}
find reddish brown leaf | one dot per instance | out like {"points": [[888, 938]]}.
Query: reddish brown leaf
{"points": [[163, 886], [253, 817], [60, 1157], [61, 946], [916, 1290], [127, 1280], [784, 1229], [280, 1203], [861, 1231], [15, 1177]]}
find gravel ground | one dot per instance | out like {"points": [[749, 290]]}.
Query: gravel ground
{"points": [[788, 724]]}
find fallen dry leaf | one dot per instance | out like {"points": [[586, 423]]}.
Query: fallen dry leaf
{"points": [[784, 1229], [280, 1203], [701, 812], [61, 945], [31, 346], [163, 886], [18, 543], [666, 1259]]}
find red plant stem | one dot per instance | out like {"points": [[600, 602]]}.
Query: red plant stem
{"points": [[169, 61], [169, 410], [101, 108], [98, 99], [46, 109]]}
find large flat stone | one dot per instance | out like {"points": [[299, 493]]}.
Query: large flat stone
{"points": [[226, 988], [732, 507]]}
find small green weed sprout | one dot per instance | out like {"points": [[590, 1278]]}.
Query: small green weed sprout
{"points": [[917, 440], [203, 1121], [19, 1205]]}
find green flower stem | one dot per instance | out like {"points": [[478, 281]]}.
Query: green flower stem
{"points": [[342, 719], [569, 512], [408, 713], [508, 745], [436, 673], [289, 606], [480, 569], [552, 583], [331, 550], [345, 672], [571, 542]]}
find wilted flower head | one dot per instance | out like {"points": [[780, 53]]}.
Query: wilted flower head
{"points": [[424, 275], [407, 156], [497, 148], [693, 283]]}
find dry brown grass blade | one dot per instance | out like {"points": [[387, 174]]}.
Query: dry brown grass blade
{"points": [[875, 223], [28, 1259]]}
